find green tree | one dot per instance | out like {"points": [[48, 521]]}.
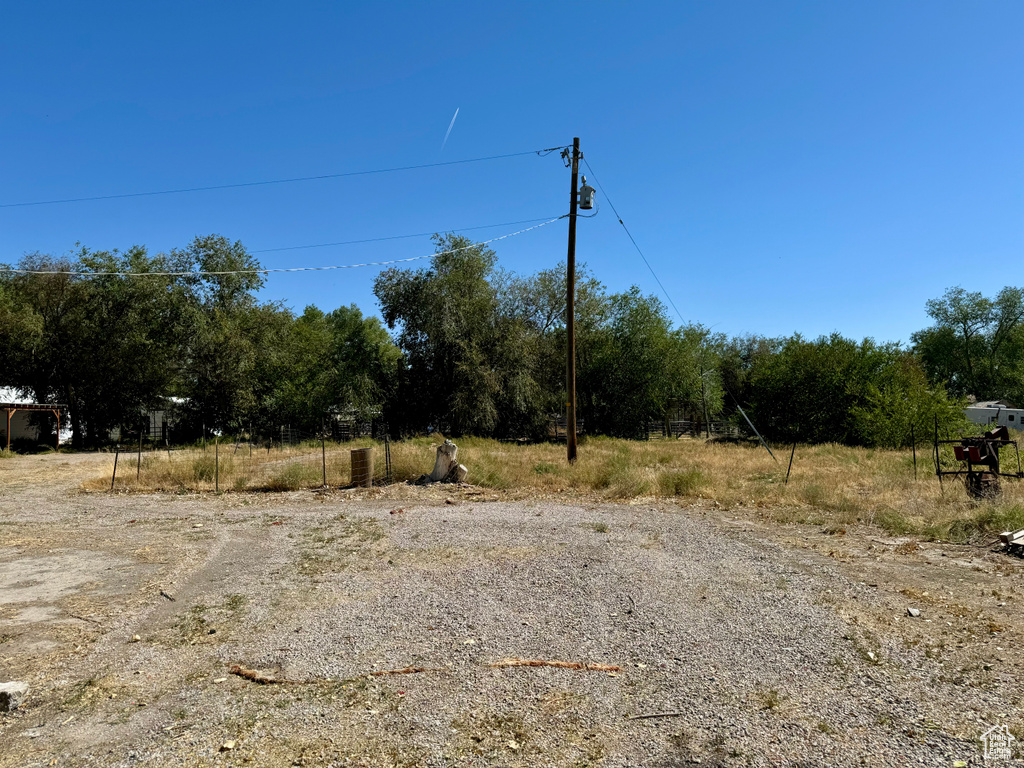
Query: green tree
{"points": [[634, 375], [976, 346], [836, 390], [231, 338], [445, 316], [105, 344]]}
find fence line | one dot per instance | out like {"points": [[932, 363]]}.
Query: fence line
{"points": [[676, 428], [244, 465]]}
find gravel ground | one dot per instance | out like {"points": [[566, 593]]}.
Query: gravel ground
{"points": [[760, 646]]}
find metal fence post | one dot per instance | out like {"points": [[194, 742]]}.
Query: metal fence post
{"points": [[791, 454], [913, 447], [323, 453], [117, 452]]}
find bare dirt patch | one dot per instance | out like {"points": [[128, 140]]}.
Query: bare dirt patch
{"points": [[770, 644]]}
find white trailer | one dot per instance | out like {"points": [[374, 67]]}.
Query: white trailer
{"points": [[995, 413]]}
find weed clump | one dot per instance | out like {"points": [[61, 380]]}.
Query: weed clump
{"points": [[295, 476], [203, 468], [681, 482]]}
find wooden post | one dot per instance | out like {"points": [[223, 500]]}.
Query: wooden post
{"points": [[138, 465], [216, 466], [570, 312], [791, 454], [117, 452]]}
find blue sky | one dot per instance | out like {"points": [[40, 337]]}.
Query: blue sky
{"points": [[810, 167]]}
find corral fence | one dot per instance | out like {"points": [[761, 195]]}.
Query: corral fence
{"points": [[656, 429], [558, 428], [676, 428]]}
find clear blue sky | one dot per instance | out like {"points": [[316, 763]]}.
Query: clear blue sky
{"points": [[785, 166]]}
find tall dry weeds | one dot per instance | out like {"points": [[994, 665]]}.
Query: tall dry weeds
{"points": [[829, 484]]}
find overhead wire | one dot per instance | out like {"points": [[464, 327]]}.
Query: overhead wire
{"points": [[239, 185], [633, 241], [201, 273], [395, 237], [669, 297]]}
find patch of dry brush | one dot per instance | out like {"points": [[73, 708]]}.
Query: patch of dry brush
{"points": [[829, 485]]}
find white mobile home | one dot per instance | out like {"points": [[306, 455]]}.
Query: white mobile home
{"points": [[996, 413]]}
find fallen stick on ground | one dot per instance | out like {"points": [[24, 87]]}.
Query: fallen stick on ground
{"points": [[257, 677], [83, 618], [562, 664], [404, 671], [654, 714]]}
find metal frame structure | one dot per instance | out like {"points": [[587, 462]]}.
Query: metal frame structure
{"points": [[13, 408], [979, 459]]}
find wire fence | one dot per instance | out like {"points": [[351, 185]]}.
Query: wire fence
{"points": [[245, 465], [676, 428]]}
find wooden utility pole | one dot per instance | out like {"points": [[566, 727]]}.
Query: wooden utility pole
{"points": [[570, 311]]}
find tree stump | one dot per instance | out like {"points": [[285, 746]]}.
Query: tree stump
{"points": [[446, 466]]}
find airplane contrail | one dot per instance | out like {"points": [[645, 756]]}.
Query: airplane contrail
{"points": [[449, 131]]}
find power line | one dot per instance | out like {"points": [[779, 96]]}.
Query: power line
{"points": [[669, 297], [200, 273], [630, 235], [541, 152], [395, 237]]}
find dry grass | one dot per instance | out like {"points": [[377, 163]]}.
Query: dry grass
{"points": [[830, 485]]}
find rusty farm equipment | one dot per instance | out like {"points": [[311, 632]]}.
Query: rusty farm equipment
{"points": [[978, 462]]}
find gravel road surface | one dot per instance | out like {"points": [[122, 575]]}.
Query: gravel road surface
{"points": [[751, 647]]}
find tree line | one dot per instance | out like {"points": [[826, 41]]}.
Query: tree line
{"points": [[466, 347]]}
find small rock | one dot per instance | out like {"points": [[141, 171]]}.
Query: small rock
{"points": [[227, 746], [913, 613], [12, 694], [872, 656], [219, 679], [135, 639], [198, 525]]}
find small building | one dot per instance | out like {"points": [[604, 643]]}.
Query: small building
{"points": [[22, 421], [995, 413]]}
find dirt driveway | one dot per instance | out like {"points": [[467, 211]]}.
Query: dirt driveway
{"points": [[753, 644]]}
